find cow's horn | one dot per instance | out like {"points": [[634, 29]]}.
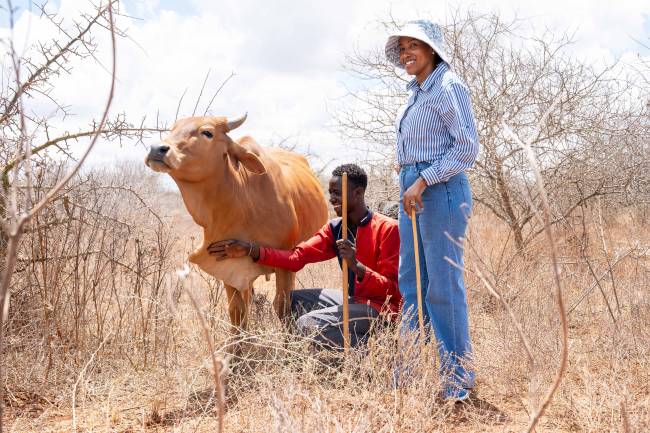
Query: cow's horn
{"points": [[236, 123]]}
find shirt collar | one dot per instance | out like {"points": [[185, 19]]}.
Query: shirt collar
{"points": [[440, 69], [366, 219]]}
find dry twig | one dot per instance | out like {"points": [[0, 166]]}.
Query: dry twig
{"points": [[537, 414]]}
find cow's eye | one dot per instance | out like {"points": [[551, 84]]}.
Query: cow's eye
{"points": [[207, 134]]}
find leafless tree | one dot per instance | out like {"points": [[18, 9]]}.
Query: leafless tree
{"points": [[594, 143]]}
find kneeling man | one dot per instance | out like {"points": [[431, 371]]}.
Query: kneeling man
{"points": [[371, 252]]}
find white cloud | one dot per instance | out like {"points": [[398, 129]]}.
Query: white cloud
{"points": [[603, 29]]}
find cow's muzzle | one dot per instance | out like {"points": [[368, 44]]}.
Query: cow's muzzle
{"points": [[156, 157]]}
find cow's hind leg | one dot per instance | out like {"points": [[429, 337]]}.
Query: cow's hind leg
{"points": [[239, 302], [285, 282]]}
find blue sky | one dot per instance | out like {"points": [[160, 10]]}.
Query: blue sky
{"points": [[288, 56]]}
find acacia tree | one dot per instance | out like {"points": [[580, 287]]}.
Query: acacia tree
{"points": [[592, 143]]}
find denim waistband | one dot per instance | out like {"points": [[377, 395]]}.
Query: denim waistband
{"points": [[416, 165]]}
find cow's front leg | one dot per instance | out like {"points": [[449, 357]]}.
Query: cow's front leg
{"points": [[239, 302], [285, 282]]}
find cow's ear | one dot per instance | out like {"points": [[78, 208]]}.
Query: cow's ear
{"points": [[251, 162], [245, 157]]}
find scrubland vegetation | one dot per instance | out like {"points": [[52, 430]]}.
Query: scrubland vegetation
{"points": [[102, 333]]}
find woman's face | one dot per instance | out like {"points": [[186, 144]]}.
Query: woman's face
{"points": [[416, 56]]}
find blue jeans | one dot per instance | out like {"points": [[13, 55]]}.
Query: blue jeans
{"points": [[446, 209]]}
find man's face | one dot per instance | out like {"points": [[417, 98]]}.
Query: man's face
{"points": [[355, 195], [336, 198], [336, 195]]}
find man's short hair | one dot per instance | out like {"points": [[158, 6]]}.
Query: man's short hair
{"points": [[356, 175]]}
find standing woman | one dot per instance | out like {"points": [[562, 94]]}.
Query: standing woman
{"points": [[436, 143]]}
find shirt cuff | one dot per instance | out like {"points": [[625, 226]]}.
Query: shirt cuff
{"points": [[262, 258], [366, 276], [430, 176]]}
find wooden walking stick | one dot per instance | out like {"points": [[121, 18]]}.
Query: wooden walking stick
{"points": [[344, 265], [416, 249]]}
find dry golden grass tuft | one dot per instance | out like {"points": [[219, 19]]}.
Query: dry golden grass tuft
{"points": [[159, 379]]}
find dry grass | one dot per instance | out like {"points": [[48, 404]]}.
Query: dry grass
{"points": [[279, 384]]}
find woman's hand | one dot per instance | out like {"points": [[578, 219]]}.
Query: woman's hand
{"points": [[412, 199], [232, 249]]}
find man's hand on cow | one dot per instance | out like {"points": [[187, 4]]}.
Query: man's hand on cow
{"points": [[233, 248], [348, 251]]}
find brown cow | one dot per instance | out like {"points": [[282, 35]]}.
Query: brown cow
{"points": [[239, 190]]}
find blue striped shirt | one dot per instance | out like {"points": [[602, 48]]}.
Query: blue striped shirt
{"points": [[437, 126]]}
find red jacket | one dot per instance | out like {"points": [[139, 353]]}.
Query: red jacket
{"points": [[377, 243]]}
